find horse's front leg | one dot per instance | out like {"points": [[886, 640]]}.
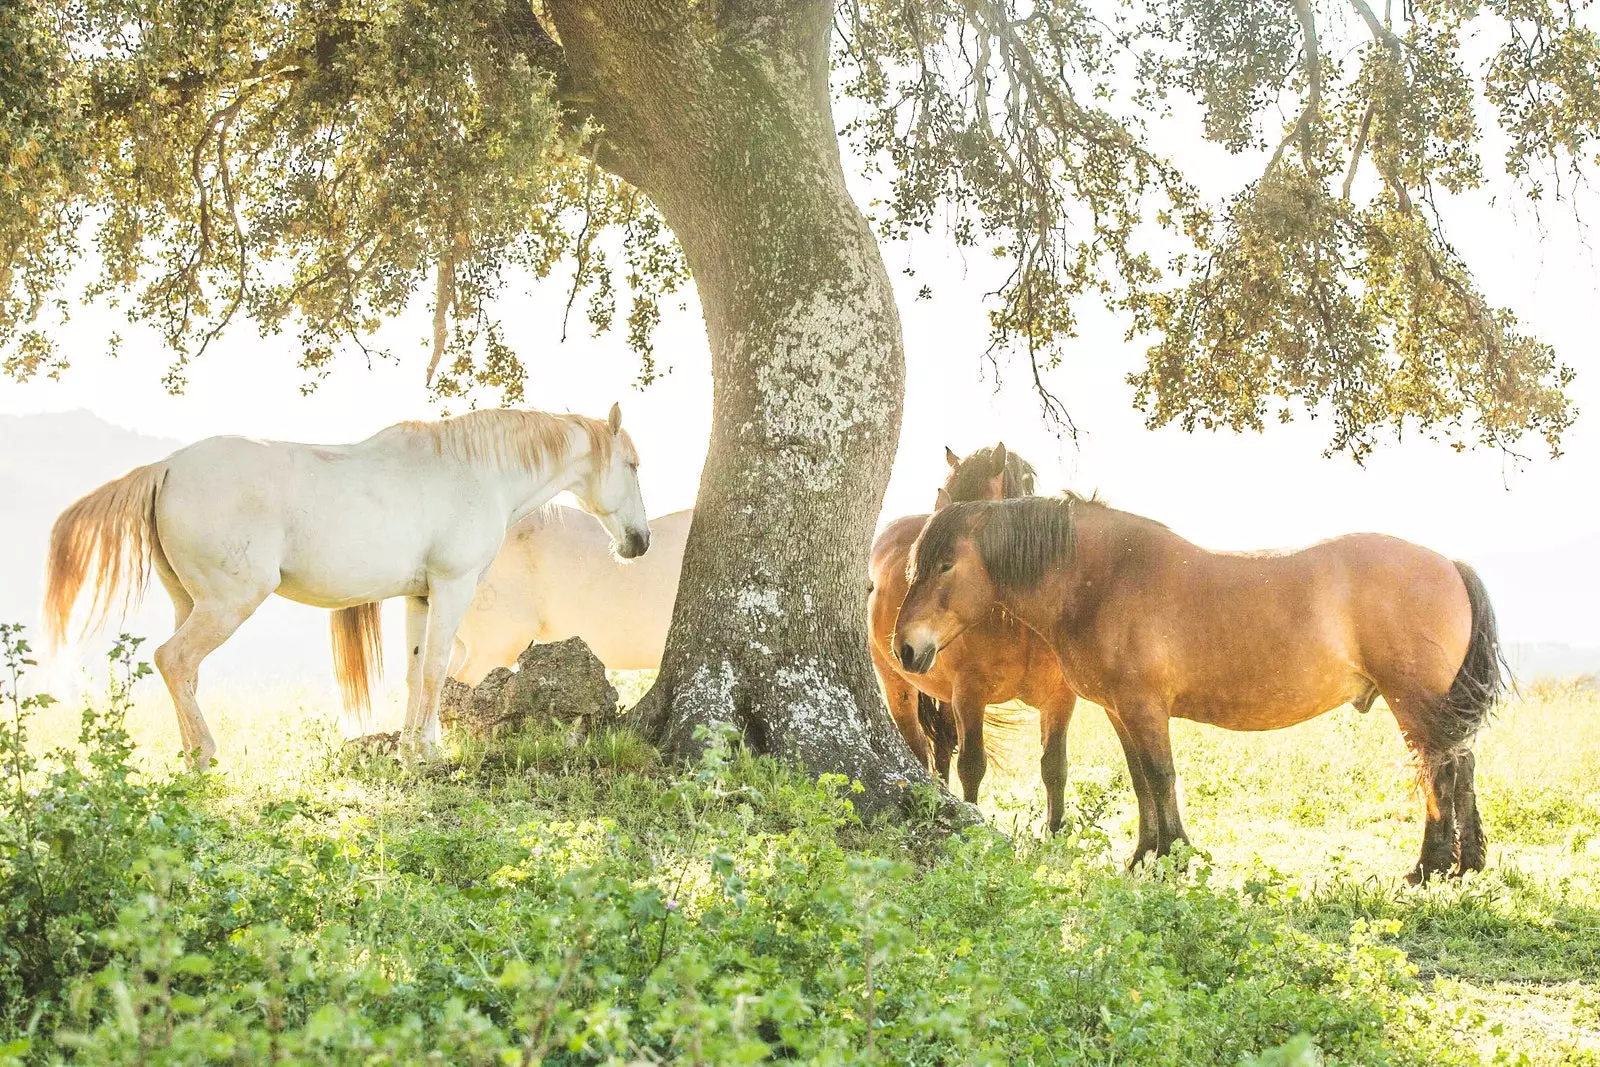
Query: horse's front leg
{"points": [[416, 639], [901, 698], [970, 703], [943, 718], [1149, 726], [1055, 715], [447, 604]]}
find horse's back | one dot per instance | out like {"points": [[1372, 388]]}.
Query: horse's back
{"points": [[332, 525], [1263, 639], [621, 609]]}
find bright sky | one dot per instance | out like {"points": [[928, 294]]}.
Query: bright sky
{"points": [[1221, 490]]}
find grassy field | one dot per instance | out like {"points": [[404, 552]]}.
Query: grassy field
{"points": [[529, 901]]}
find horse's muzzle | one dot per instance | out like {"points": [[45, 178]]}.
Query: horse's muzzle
{"points": [[634, 545], [916, 662]]}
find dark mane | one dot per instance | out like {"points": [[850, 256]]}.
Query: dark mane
{"points": [[1018, 540], [969, 480]]}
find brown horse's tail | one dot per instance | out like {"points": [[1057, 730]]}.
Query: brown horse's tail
{"points": [[1481, 681], [1004, 730], [105, 540], [357, 655]]}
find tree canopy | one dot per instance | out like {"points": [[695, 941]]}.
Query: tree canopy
{"points": [[317, 165]]}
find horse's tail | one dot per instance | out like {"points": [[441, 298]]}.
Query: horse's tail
{"points": [[357, 655], [1006, 730], [1481, 681], [1010, 736], [106, 540]]}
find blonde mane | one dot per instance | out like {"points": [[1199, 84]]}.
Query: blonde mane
{"points": [[506, 437]]}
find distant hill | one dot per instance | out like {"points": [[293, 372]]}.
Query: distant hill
{"points": [[47, 462], [1531, 591]]}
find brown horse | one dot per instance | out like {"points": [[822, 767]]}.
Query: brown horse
{"points": [[992, 663], [1150, 626]]}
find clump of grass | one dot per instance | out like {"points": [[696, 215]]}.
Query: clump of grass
{"points": [[556, 748]]}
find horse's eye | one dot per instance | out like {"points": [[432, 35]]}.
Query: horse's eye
{"points": [[946, 567]]}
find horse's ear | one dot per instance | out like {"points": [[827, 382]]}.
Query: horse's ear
{"points": [[942, 501], [999, 457], [614, 420], [950, 457]]}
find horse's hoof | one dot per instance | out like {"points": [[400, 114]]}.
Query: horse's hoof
{"points": [[1422, 873]]}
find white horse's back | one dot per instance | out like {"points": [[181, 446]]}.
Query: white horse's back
{"points": [[333, 525], [555, 577]]}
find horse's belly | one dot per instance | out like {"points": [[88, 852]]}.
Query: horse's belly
{"points": [[332, 587], [1267, 710]]}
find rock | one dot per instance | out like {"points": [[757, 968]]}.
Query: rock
{"points": [[562, 682], [380, 744]]}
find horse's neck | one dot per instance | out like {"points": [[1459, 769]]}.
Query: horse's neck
{"points": [[1042, 609], [1067, 597], [526, 491]]}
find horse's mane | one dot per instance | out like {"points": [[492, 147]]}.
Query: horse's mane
{"points": [[1018, 540], [506, 437], [970, 478]]}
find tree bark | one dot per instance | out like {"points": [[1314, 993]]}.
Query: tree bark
{"points": [[723, 117]]}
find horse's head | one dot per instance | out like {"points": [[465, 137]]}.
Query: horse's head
{"points": [[972, 557], [988, 474], [950, 585], [610, 492]]}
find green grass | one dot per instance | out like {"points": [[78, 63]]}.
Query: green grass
{"points": [[1328, 813], [576, 901]]}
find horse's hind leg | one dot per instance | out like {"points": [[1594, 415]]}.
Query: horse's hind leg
{"points": [[1473, 843], [182, 605], [207, 626], [1437, 773]]}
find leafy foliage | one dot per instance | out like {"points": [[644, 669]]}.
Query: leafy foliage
{"points": [[312, 164], [1029, 122], [321, 165], [73, 830]]}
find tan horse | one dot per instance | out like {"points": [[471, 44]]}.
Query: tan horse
{"points": [[1150, 626], [556, 577], [990, 664]]}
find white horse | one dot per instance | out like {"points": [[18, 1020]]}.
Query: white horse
{"points": [[418, 510], [555, 578]]}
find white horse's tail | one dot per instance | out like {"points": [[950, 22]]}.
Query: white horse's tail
{"points": [[106, 540], [357, 656]]}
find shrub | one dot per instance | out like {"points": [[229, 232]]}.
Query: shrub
{"points": [[72, 827]]}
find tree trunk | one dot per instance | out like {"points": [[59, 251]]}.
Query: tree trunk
{"points": [[723, 118]]}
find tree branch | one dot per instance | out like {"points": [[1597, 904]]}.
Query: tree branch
{"points": [[1360, 146], [1380, 32], [1313, 106], [444, 296]]}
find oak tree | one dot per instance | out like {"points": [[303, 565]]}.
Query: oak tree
{"points": [[317, 165]]}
